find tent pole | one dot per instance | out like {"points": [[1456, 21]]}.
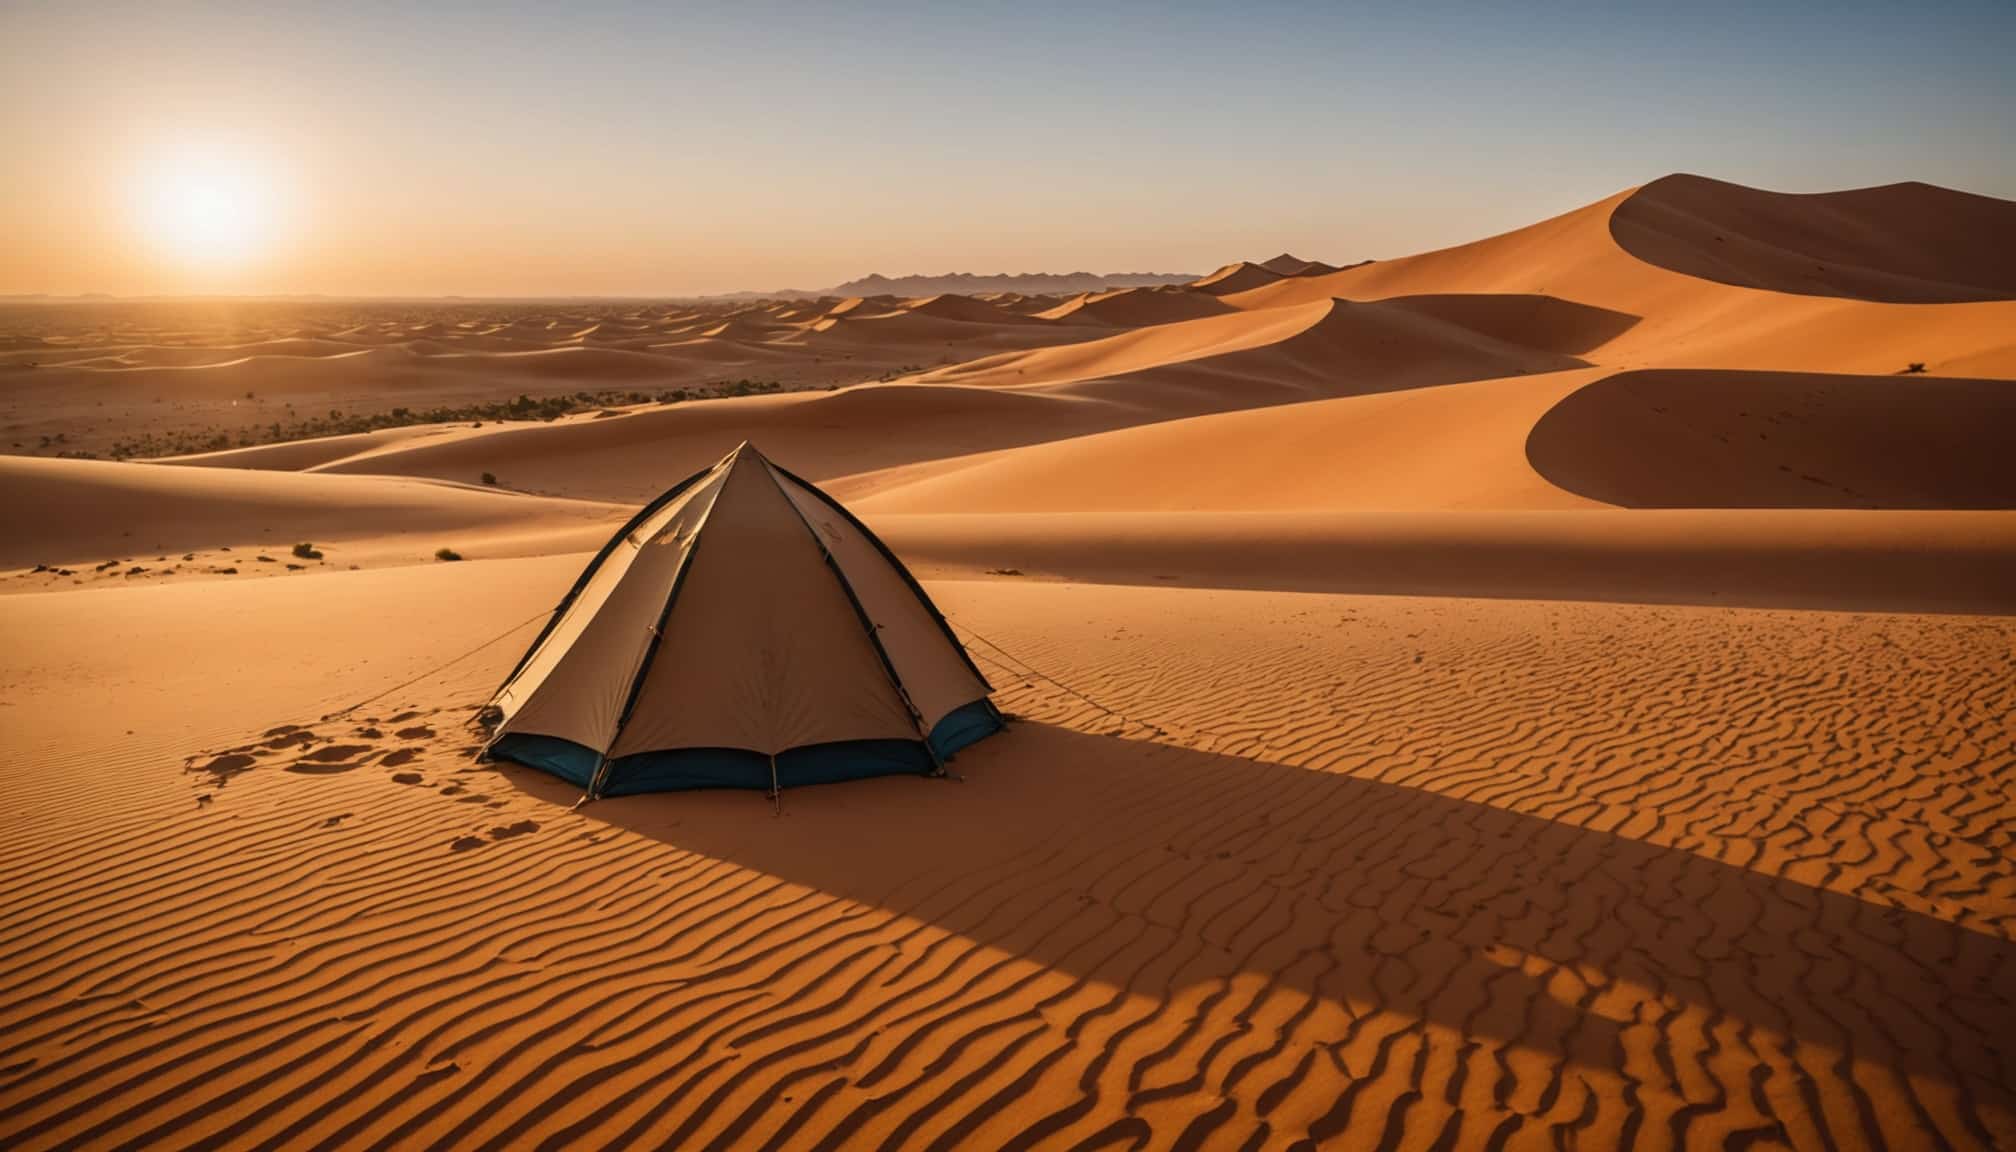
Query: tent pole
{"points": [[776, 794]]}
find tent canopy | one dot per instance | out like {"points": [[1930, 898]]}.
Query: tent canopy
{"points": [[743, 630]]}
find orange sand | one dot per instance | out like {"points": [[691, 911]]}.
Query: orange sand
{"points": [[1552, 691]]}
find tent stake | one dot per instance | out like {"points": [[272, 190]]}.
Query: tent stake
{"points": [[594, 782], [776, 794]]}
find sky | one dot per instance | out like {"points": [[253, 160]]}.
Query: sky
{"points": [[521, 149]]}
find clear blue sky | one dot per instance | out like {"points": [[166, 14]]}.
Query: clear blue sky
{"points": [[639, 148]]}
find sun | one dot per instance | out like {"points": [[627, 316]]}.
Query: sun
{"points": [[206, 206]]}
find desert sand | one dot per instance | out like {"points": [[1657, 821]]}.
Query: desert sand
{"points": [[1550, 691]]}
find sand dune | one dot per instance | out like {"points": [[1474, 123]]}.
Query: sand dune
{"points": [[928, 333], [743, 328], [1683, 320], [301, 455], [1027, 305], [1844, 560], [865, 305], [85, 512], [1455, 446], [965, 308], [1288, 264], [1237, 277], [818, 435], [1782, 440], [1907, 243], [1530, 321], [1321, 349], [1137, 307]]}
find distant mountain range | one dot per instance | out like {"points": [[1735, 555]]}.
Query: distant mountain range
{"points": [[1027, 283]]}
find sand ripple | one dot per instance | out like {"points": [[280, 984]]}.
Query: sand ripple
{"points": [[1277, 868]]}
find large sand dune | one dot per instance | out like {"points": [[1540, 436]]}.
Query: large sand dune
{"points": [[1325, 348], [1682, 320], [1910, 243], [1548, 692]]}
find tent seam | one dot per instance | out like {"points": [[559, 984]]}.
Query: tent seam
{"points": [[594, 566], [860, 612], [917, 589], [658, 632]]}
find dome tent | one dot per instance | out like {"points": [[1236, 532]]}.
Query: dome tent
{"points": [[742, 631]]}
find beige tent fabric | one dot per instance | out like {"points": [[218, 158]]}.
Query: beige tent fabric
{"points": [[763, 647], [575, 685], [763, 650], [932, 671]]}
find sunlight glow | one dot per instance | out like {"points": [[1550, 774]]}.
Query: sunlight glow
{"points": [[206, 206]]}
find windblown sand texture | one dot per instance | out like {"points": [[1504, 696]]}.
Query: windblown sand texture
{"points": [[1554, 691]]}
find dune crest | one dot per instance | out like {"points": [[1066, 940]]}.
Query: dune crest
{"points": [[82, 512], [1901, 243], [1138, 307], [1326, 348], [1237, 277]]}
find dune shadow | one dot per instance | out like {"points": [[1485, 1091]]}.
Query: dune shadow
{"points": [[1714, 438], [1900, 243], [1163, 870], [1525, 319]]}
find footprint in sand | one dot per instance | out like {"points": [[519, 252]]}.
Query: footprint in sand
{"points": [[228, 765], [437, 1072], [398, 756], [288, 738], [497, 832], [335, 758], [417, 732]]}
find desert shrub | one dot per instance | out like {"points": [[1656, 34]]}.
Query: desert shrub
{"points": [[307, 551], [490, 478], [446, 554], [1913, 368]]}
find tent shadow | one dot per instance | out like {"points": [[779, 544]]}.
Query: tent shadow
{"points": [[1157, 868]]}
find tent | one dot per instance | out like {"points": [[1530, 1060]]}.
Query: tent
{"points": [[742, 631]]}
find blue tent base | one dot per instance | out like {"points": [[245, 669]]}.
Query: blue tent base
{"points": [[676, 770]]}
